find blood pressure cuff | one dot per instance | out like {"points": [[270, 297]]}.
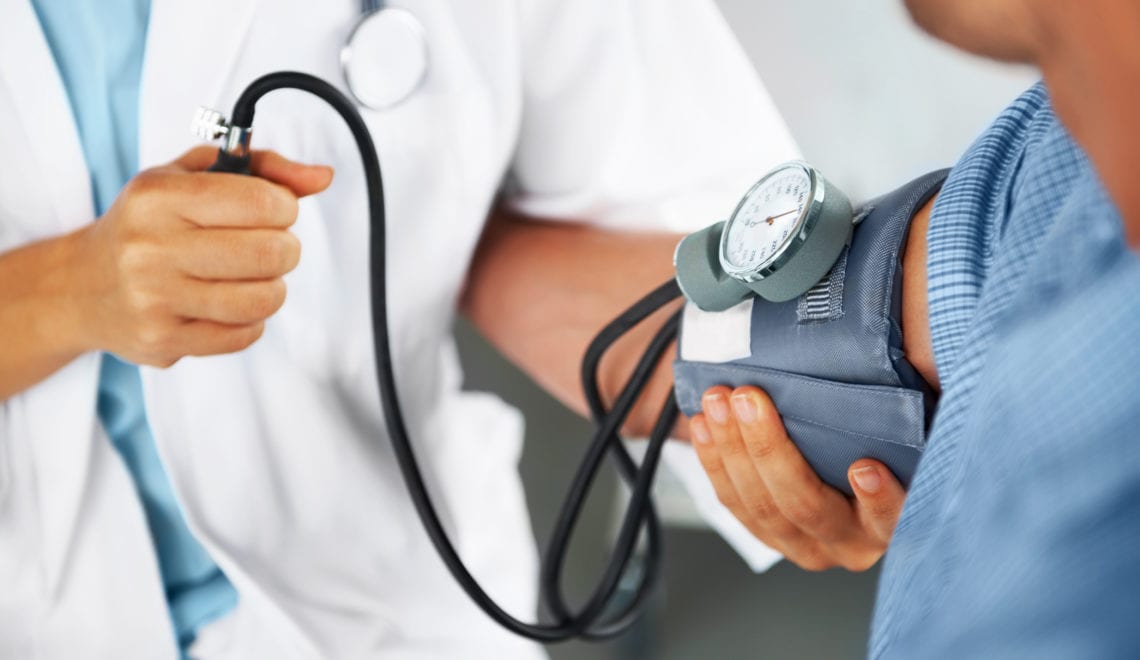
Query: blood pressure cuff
{"points": [[832, 360]]}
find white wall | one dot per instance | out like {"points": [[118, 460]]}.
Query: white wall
{"points": [[871, 99]]}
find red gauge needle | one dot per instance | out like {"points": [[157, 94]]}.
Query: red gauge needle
{"points": [[770, 220]]}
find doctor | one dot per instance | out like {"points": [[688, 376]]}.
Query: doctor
{"points": [[243, 503]]}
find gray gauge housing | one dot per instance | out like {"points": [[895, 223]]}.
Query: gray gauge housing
{"points": [[709, 279]]}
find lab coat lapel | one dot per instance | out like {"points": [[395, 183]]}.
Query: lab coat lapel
{"points": [[27, 69], [190, 52], [61, 442]]}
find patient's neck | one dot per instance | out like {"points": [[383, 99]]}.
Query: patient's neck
{"points": [[1090, 55]]}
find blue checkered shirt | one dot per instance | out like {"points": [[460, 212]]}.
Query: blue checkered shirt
{"points": [[1021, 530]]}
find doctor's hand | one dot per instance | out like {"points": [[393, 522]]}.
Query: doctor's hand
{"points": [[188, 262], [762, 478]]}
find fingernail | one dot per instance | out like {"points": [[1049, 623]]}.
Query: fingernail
{"points": [[868, 479], [717, 408], [701, 433], [745, 409]]}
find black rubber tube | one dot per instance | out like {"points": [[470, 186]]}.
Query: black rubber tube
{"points": [[589, 621], [638, 514]]}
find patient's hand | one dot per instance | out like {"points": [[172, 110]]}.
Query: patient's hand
{"points": [[762, 478]]}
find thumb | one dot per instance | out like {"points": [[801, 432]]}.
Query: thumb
{"points": [[879, 497], [301, 179]]}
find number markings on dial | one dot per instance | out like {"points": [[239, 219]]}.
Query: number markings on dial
{"points": [[770, 214]]}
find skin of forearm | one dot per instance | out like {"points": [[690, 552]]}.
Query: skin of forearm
{"points": [[1090, 57], [575, 279], [183, 263], [917, 344], [540, 291], [37, 313]]}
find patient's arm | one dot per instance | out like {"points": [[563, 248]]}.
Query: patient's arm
{"points": [[539, 291], [763, 479], [915, 309]]}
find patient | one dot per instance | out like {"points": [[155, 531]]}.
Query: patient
{"points": [[1019, 532]]}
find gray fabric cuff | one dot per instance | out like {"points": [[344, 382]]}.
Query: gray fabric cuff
{"points": [[832, 360]]}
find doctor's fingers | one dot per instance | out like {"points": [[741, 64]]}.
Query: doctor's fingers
{"points": [[210, 338], [302, 179], [197, 159], [237, 254], [879, 497], [194, 337], [742, 492], [230, 303], [207, 199], [299, 178], [797, 490]]}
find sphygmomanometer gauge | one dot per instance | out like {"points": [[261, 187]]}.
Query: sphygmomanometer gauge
{"points": [[768, 223], [780, 241]]}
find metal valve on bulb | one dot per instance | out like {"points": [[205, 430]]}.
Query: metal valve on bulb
{"points": [[234, 154]]}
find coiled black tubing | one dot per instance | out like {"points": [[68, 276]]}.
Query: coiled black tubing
{"points": [[600, 617]]}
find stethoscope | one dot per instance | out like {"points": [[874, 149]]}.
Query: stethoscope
{"points": [[385, 61], [385, 56], [622, 593]]}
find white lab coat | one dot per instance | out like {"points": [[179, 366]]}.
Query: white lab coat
{"points": [[638, 113]]}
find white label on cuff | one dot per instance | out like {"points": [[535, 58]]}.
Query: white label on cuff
{"points": [[716, 336]]}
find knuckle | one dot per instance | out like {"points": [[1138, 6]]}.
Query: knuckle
{"points": [[144, 183], [882, 509], [265, 300], [814, 565], [291, 248], [805, 513], [289, 207], [732, 503], [134, 258], [155, 341], [715, 471], [196, 185], [276, 295], [144, 305], [730, 450], [812, 561], [259, 199], [271, 256], [245, 337], [142, 193], [760, 451], [257, 306], [236, 339], [761, 509], [272, 205], [860, 562]]}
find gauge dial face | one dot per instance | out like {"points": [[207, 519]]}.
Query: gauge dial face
{"points": [[767, 220]]}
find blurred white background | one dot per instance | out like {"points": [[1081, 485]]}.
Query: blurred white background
{"points": [[873, 102]]}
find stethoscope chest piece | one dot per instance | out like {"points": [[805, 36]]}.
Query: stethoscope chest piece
{"points": [[385, 58]]}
